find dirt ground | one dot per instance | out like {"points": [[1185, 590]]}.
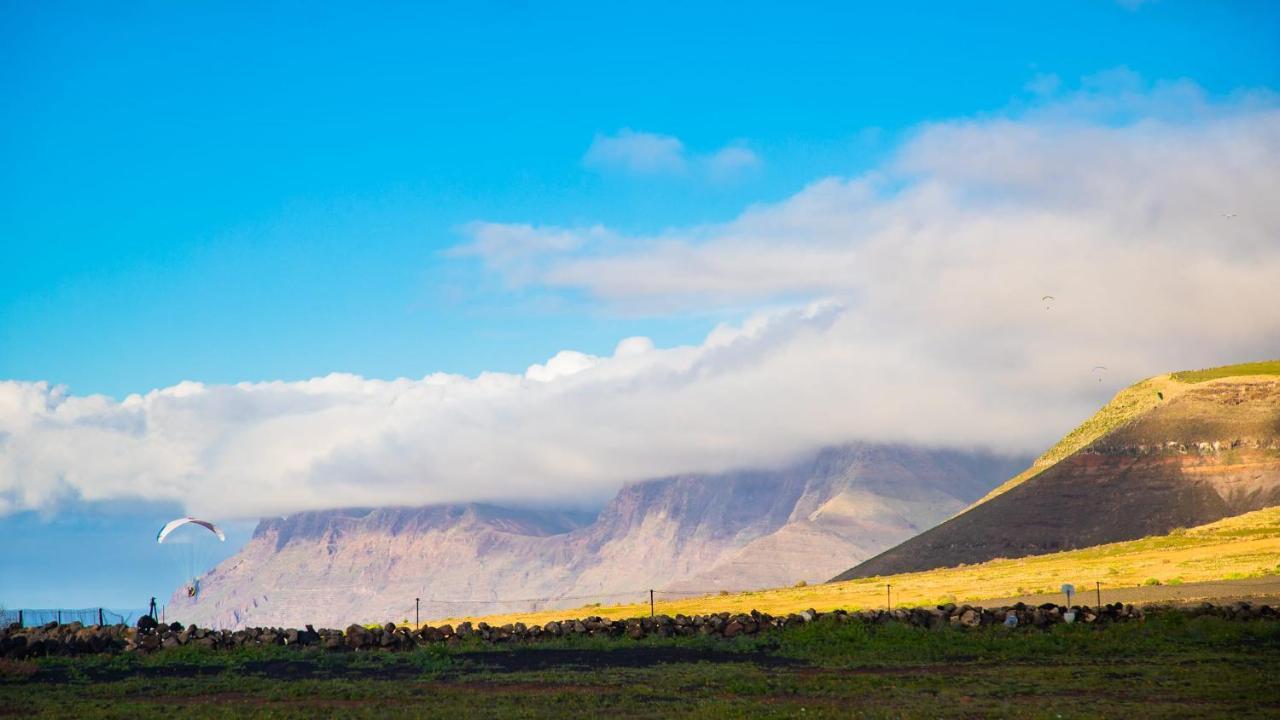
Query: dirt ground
{"points": [[1256, 590]]}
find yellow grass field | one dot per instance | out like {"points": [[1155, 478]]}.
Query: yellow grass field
{"points": [[1239, 547]]}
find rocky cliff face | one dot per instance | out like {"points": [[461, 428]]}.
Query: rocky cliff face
{"points": [[730, 531], [1211, 452]]}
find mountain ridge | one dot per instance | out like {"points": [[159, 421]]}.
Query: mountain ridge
{"points": [[1164, 453], [734, 531]]}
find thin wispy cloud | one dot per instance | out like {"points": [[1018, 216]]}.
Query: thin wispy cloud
{"points": [[1043, 84], [732, 162], [637, 153], [634, 153], [519, 251], [1101, 182]]}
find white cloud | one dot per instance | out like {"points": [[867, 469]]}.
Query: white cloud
{"points": [[732, 162], [562, 364], [633, 346], [642, 153], [916, 316], [1077, 197], [570, 429], [505, 243], [519, 250], [639, 153]]}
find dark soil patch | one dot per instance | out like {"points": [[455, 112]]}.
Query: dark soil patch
{"points": [[509, 661], [243, 700], [270, 669], [61, 674], [637, 657], [521, 687], [947, 669]]}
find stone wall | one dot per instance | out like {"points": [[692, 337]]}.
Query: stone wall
{"points": [[149, 636]]}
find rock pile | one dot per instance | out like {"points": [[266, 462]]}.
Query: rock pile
{"points": [[149, 636]]}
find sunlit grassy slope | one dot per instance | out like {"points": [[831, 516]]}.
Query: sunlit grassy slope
{"points": [[1266, 367], [1242, 546], [1128, 404]]}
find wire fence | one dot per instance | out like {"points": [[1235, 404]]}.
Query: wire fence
{"points": [[638, 594], [436, 608], [432, 607], [35, 617]]}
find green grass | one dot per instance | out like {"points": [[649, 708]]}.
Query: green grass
{"points": [[1265, 367], [1170, 666]]}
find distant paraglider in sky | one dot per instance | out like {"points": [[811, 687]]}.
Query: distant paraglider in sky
{"points": [[1098, 370], [1048, 301], [190, 542]]}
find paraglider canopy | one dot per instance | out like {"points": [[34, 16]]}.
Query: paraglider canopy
{"points": [[175, 524], [190, 549]]}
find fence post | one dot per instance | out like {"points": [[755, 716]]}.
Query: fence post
{"points": [[651, 610], [20, 623], [888, 597], [417, 604], [100, 623], [1098, 587], [59, 617]]}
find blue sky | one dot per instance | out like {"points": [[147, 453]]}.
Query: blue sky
{"points": [[224, 193], [228, 194]]}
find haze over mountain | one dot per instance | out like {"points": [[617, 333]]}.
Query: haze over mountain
{"points": [[731, 531], [1174, 451]]}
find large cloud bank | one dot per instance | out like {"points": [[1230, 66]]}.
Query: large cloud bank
{"points": [[906, 307]]}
